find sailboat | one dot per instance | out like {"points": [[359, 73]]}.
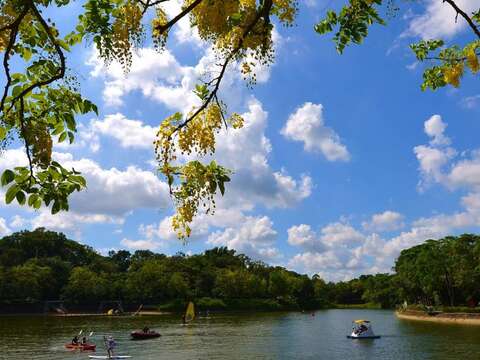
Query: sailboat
{"points": [[189, 313]]}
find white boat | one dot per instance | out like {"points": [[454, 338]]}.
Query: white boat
{"points": [[362, 329]]}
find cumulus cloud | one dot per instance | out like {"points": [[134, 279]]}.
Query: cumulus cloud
{"points": [[162, 78], [255, 237], [303, 236], [140, 244], [307, 125], [435, 128], [434, 157], [336, 252], [386, 221], [338, 233], [157, 76], [439, 20], [129, 133], [4, 229], [115, 192], [111, 194]]}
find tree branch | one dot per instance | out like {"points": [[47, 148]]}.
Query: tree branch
{"points": [[25, 138], [467, 18], [163, 28], [59, 52], [263, 13], [13, 36]]}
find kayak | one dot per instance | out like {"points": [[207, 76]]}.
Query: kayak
{"points": [[106, 357], [140, 335], [81, 347]]}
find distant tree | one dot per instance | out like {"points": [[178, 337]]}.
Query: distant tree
{"points": [[86, 286], [121, 258]]}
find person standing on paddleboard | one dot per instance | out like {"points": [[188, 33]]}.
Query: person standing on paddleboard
{"points": [[110, 345]]}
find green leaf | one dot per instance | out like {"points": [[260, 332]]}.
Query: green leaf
{"points": [[11, 193], [3, 133], [32, 199], [20, 197], [78, 179], [7, 177], [62, 137], [37, 204], [26, 54], [56, 207]]}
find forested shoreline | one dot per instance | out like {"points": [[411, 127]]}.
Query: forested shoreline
{"points": [[41, 265]]}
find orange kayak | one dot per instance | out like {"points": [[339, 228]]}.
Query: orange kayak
{"points": [[82, 347]]}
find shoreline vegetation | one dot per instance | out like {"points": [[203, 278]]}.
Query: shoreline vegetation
{"points": [[43, 272], [461, 318]]}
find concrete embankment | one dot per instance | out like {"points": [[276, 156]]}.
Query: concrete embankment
{"points": [[446, 318]]}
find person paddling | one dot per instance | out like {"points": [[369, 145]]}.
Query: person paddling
{"points": [[75, 340]]}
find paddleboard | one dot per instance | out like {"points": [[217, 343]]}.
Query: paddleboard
{"points": [[106, 357]]}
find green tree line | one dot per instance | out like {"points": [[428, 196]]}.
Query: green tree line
{"points": [[41, 265]]}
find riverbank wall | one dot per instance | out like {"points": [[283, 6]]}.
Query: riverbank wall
{"points": [[446, 318]]}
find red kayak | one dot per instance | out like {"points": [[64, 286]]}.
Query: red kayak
{"points": [[82, 347], [141, 335]]}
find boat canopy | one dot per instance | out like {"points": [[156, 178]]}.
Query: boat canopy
{"points": [[361, 321]]}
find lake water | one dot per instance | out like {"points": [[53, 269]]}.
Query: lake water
{"points": [[244, 336]]}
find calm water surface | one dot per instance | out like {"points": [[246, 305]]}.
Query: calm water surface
{"points": [[244, 336]]}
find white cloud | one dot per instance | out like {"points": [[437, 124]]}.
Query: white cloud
{"points": [[129, 133], [312, 261], [4, 229], [338, 233], [17, 221], [386, 221], [435, 128], [85, 138], [111, 194], [115, 192], [161, 78], [303, 236], [254, 237], [140, 244], [158, 76], [308, 126], [439, 20]]}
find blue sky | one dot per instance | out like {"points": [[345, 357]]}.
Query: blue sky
{"points": [[343, 161]]}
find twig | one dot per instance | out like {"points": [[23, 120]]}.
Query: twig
{"points": [[467, 18]]}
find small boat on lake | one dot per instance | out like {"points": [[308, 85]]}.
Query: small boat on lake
{"points": [[362, 329], [81, 347], [144, 335]]}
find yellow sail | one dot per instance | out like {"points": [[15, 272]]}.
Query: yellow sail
{"points": [[190, 313]]}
